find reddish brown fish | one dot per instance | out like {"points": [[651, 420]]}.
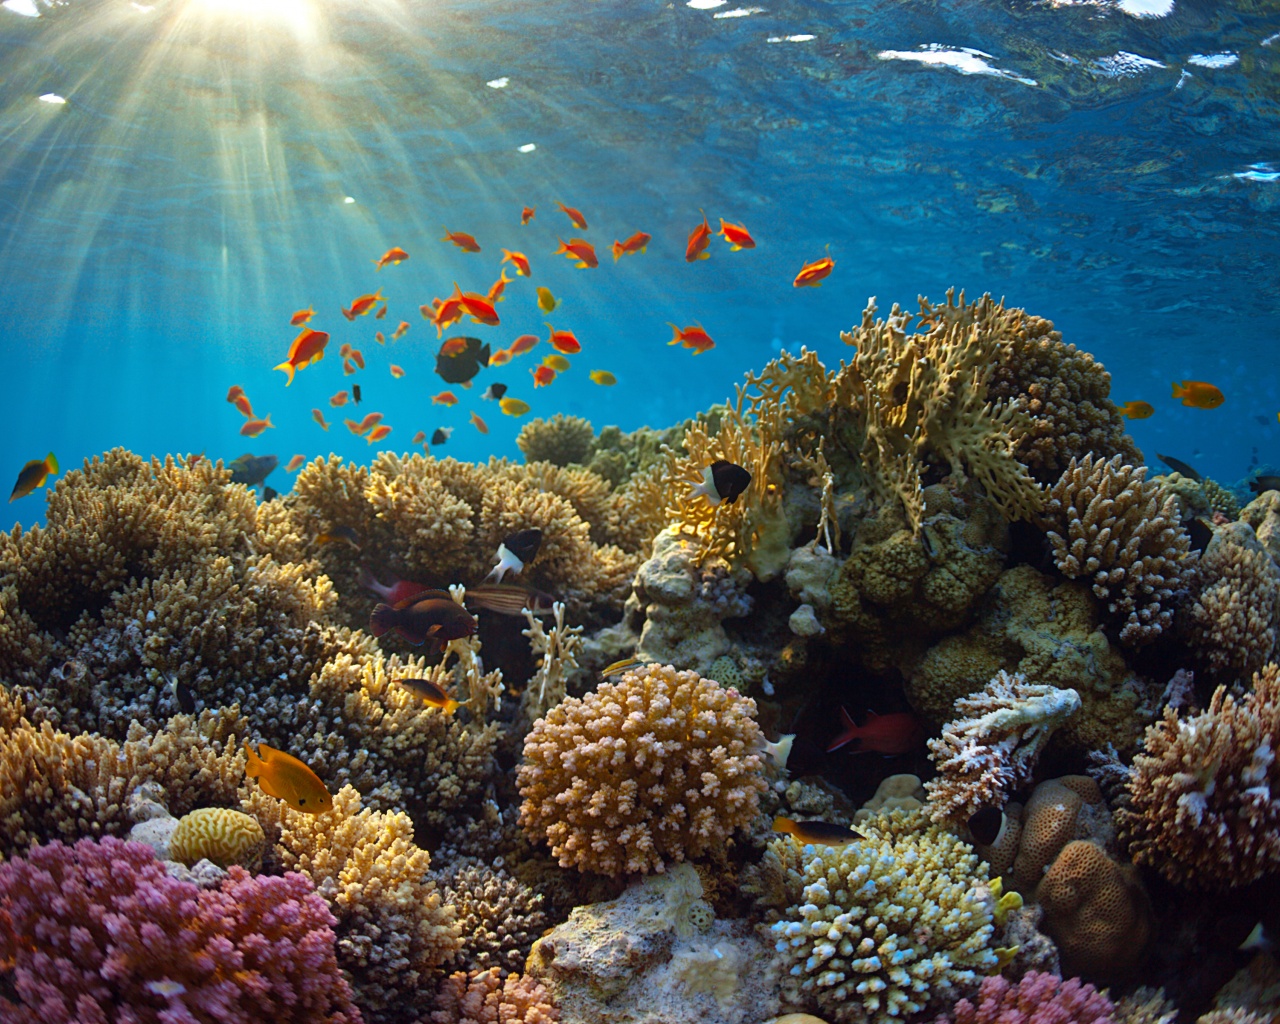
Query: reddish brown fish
{"points": [[432, 615]]}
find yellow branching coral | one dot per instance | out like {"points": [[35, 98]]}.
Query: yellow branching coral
{"points": [[1235, 618], [557, 654], [659, 766], [1204, 797], [1122, 534]]}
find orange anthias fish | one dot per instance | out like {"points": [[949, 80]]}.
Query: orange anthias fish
{"points": [[579, 221], [542, 376], [345, 350], [693, 337], [699, 239], [357, 357], [811, 274], [444, 313], [519, 260], [898, 733], [479, 308], [307, 348], [636, 243], [286, 778], [348, 367], [377, 434], [1198, 394], [253, 428], [362, 305], [382, 311], [400, 331], [242, 404], [33, 475], [318, 416], [480, 424], [380, 338], [498, 287], [564, 341], [234, 392], [295, 463], [339, 399], [445, 398], [353, 426], [736, 235], [578, 249], [462, 240], [1137, 410], [392, 256], [500, 358], [454, 347], [526, 214], [301, 317], [397, 371], [523, 343], [419, 437], [370, 421]]}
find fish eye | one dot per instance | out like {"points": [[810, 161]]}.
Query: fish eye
{"points": [[302, 800]]}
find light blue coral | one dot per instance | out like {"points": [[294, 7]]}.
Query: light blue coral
{"points": [[885, 928]]}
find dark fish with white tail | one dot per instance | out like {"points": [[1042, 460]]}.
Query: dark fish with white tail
{"points": [[514, 553], [722, 481]]}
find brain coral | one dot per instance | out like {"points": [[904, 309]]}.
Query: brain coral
{"points": [[1204, 796], [883, 929], [660, 765], [217, 834]]}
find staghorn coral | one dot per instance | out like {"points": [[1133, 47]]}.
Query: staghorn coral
{"points": [[659, 766], [91, 930], [1204, 796], [993, 750], [1123, 535], [498, 916], [561, 440], [883, 929], [1036, 998], [217, 834], [393, 930], [557, 654], [1235, 618], [484, 997]]}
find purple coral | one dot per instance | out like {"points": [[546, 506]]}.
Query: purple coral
{"points": [[98, 932], [1037, 999]]}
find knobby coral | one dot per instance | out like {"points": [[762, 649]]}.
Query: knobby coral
{"points": [[660, 765], [499, 917], [1204, 796], [89, 929], [483, 997], [560, 440], [1036, 998]]}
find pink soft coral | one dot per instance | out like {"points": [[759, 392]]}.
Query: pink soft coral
{"points": [[1036, 999], [98, 932]]}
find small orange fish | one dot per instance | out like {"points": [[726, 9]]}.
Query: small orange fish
{"points": [[523, 343], [431, 694], [380, 338], [693, 337], [542, 376], [1198, 394], [603, 377], [392, 256], [345, 350], [400, 331], [479, 308], [370, 421], [301, 317], [382, 311], [526, 214], [462, 240], [348, 367], [307, 348], [454, 347], [579, 221], [339, 399], [699, 239], [357, 357], [636, 243], [318, 416], [353, 426], [578, 249], [479, 423], [811, 274], [444, 313], [519, 260], [377, 434], [1137, 410], [286, 778], [445, 398], [234, 392], [498, 287], [255, 427], [419, 437], [295, 463], [564, 341], [500, 358], [242, 403], [396, 371], [736, 235], [362, 305]]}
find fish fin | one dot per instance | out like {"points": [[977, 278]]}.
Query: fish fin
{"points": [[850, 731], [51, 463], [383, 618], [704, 255], [288, 368], [1177, 391]]}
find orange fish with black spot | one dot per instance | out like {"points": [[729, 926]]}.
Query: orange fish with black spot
{"points": [[1198, 394], [307, 349], [286, 778]]}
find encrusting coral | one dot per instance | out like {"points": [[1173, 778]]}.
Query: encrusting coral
{"points": [[1123, 535], [1204, 795], [658, 766], [96, 929], [1036, 998]]}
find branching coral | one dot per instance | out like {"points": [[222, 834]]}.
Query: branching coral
{"points": [[1235, 618], [498, 917], [983, 757], [483, 997], [89, 929], [882, 929], [556, 652], [560, 440], [1121, 533], [1204, 797], [659, 766], [1035, 999]]}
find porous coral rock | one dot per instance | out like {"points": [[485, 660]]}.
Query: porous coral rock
{"points": [[884, 929], [895, 793], [1058, 811], [498, 917], [1263, 514], [220, 835], [659, 766], [1121, 533], [1204, 795], [809, 573], [560, 440]]}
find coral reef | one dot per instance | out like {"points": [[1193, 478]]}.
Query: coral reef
{"points": [[1121, 533], [658, 766], [220, 835], [1263, 514], [483, 997], [1035, 999], [89, 929], [560, 440], [498, 917], [1204, 795]]}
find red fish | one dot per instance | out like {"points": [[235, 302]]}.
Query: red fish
{"points": [[354, 427], [382, 311], [526, 214], [445, 398], [523, 343], [318, 416], [397, 371], [578, 249], [369, 422], [348, 367], [444, 313], [462, 240], [345, 350], [234, 392], [479, 308], [377, 434], [253, 428], [357, 357], [362, 305], [498, 287], [519, 260], [736, 235], [339, 399], [693, 337], [301, 317], [543, 376], [636, 243], [500, 358], [380, 338], [480, 424], [399, 332], [295, 463], [811, 274], [564, 341], [400, 590], [307, 348], [242, 404], [579, 221], [898, 733], [699, 239], [392, 256]]}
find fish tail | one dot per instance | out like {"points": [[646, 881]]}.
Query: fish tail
{"points": [[383, 618], [1177, 391], [51, 464], [675, 334], [288, 368], [253, 763]]}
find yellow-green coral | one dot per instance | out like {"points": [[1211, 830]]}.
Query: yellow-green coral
{"points": [[883, 929], [560, 440], [220, 835]]}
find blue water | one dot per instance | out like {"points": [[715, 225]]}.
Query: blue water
{"points": [[1107, 171]]}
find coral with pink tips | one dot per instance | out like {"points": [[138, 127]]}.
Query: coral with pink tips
{"points": [[1037, 999]]}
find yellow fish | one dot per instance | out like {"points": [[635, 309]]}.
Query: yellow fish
{"points": [[557, 362], [817, 833], [33, 475], [618, 667], [603, 377], [1137, 410], [514, 406], [431, 694], [285, 777], [546, 301]]}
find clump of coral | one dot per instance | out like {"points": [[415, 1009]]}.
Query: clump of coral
{"points": [[560, 440], [498, 917], [86, 930], [1122, 534], [1235, 618], [1036, 998], [1204, 796], [483, 997], [660, 766], [219, 835]]}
